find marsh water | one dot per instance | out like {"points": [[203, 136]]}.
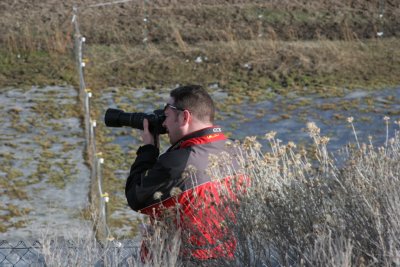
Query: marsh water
{"points": [[44, 181], [288, 116]]}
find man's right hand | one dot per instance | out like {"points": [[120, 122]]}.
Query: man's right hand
{"points": [[147, 136]]}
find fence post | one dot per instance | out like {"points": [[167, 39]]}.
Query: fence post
{"points": [[96, 195]]}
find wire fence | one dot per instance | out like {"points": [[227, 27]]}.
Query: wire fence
{"points": [[67, 253], [20, 254], [98, 195]]}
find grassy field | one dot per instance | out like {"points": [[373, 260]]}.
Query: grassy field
{"points": [[242, 45]]}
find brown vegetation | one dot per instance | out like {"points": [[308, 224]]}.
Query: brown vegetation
{"points": [[242, 44], [295, 211]]}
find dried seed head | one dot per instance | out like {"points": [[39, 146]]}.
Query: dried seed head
{"points": [[251, 142], [213, 161], [175, 191], [229, 143], [307, 166], [225, 156], [325, 140], [386, 118], [270, 135], [312, 128], [157, 195], [191, 169], [364, 147], [291, 144], [350, 119], [185, 174]]}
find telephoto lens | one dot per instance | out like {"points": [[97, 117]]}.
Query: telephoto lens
{"points": [[118, 118]]}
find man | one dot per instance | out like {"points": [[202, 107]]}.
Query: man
{"points": [[189, 123]]}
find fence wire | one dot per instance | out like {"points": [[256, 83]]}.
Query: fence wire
{"points": [[95, 157], [67, 253]]}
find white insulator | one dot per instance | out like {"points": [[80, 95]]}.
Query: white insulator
{"points": [[247, 66], [101, 160], [198, 60], [106, 199], [83, 64], [94, 124], [379, 34], [83, 39], [89, 94]]}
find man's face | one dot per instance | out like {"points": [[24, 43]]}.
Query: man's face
{"points": [[172, 122]]}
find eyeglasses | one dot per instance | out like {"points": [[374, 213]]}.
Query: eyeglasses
{"points": [[173, 107]]}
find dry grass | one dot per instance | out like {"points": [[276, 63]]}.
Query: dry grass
{"points": [[312, 213], [306, 212], [271, 39], [300, 212], [46, 25], [248, 66]]}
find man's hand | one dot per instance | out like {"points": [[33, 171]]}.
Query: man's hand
{"points": [[147, 137]]}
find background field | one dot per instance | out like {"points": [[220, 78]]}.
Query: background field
{"points": [[242, 44]]}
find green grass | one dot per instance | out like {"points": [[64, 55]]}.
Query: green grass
{"points": [[36, 68]]}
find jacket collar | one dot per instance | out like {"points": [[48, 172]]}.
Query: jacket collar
{"points": [[202, 136]]}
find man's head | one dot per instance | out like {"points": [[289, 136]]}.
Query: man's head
{"points": [[190, 108]]}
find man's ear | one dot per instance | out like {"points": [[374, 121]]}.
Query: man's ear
{"points": [[187, 117]]}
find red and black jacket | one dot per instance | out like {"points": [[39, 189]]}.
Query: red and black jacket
{"points": [[151, 173]]}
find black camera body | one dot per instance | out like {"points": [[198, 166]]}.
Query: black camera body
{"points": [[118, 118]]}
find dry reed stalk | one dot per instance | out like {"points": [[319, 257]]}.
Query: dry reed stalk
{"points": [[178, 39]]}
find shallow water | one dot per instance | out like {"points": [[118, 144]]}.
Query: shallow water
{"points": [[289, 116], [44, 180]]}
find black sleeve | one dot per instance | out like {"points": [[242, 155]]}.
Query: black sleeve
{"points": [[150, 173], [145, 178]]}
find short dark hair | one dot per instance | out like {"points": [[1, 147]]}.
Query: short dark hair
{"points": [[195, 99]]}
